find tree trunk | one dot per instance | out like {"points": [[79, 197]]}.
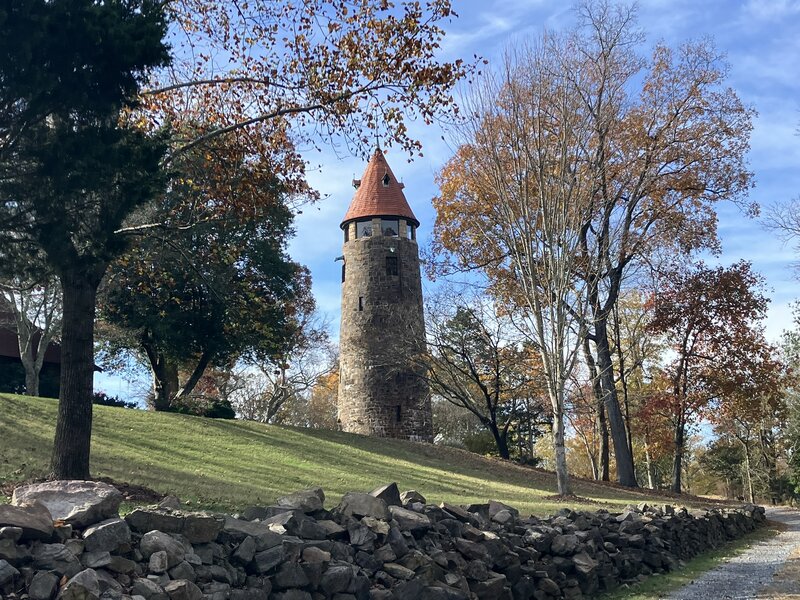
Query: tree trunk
{"points": [[748, 473], [677, 464], [199, 369], [649, 463], [31, 380], [557, 404], [165, 384], [626, 473], [165, 373], [602, 426], [500, 440], [562, 475], [25, 339], [72, 442], [623, 380]]}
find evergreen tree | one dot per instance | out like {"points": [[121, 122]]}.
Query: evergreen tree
{"points": [[71, 169]]}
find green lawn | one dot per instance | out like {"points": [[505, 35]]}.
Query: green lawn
{"points": [[231, 464]]}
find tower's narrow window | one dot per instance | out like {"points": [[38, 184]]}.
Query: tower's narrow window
{"points": [[398, 412], [343, 273], [361, 303], [386, 180], [392, 268], [347, 233]]}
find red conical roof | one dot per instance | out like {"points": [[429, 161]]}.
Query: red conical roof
{"points": [[379, 194]]}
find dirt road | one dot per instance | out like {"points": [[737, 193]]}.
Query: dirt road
{"points": [[769, 569]]}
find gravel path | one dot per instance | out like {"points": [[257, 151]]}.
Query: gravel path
{"points": [[766, 570]]}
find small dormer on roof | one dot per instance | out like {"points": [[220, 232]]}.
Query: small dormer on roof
{"points": [[378, 194]]}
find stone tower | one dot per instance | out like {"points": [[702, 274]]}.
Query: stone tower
{"points": [[380, 392]]}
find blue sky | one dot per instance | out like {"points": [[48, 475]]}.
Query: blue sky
{"points": [[762, 42], [761, 39]]}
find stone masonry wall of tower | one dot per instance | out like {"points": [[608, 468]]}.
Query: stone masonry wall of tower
{"points": [[380, 393]]}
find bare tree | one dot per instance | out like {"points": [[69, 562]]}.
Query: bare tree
{"points": [[649, 143], [513, 202], [265, 387], [668, 139], [35, 311]]}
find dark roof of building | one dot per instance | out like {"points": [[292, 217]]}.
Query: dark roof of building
{"points": [[378, 193], [10, 348]]}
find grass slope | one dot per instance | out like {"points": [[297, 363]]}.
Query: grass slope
{"points": [[231, 464]]}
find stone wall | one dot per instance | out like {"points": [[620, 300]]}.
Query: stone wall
{"points": [[380, 393], [382, 545]]}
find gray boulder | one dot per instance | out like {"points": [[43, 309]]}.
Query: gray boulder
{"points": [[43, 586], [11, 533], [306, 501], [182, 589], [296, 522], [356, 504], [96, 560], [336, 579], [158, 563], [408, 520], [389, 493], [157, 541], [107, 535], [7, 572], [237, 530], [149, 590], [78, 503], [201, 528], [268, 559], [33, 519], [411, 496], [83, 586], [495, 506], [56, 558], [143, 520], [196, 527], [13, 553], [563, 545]]}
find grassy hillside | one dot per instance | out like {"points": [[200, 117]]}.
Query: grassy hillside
{"points": [[232, 464]]}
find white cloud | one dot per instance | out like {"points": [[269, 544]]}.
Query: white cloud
{"points": [[771, 10]]}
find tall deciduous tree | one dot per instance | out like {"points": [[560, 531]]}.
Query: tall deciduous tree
{"points": [[205, 296], [512, 203], [711, 320], [213, 281], [650, 145], [668, 140], [278, 389]]}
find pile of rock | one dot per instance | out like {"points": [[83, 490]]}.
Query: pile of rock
{"points": [[66, 539]]}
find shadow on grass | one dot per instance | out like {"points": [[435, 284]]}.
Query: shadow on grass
{"points": [[234, 463]]}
